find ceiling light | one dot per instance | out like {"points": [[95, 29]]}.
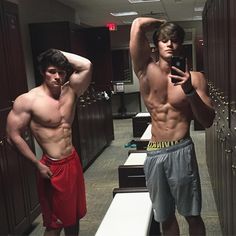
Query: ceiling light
{"points": [[128, 13], [142, 1]]}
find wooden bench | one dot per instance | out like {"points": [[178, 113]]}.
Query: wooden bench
{"points": [[131, 174], [130, 214]]}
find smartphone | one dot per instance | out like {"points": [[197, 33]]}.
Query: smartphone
{"points": [[180, 63]]}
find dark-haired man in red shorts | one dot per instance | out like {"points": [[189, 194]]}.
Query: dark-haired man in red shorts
{"points": [[48, 110]]}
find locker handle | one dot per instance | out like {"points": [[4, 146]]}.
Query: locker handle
{"points": [[228, 151], [3, 141], [233, 111]]}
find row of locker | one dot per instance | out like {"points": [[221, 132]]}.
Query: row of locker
{"points": [[18, 194], [219, 63]]}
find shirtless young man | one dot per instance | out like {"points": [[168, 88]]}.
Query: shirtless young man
{"points": [[48, 110], [170, 168]]}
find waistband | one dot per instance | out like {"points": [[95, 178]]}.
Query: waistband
{"points": [[157, 145], [173, 146], [51, 161]]}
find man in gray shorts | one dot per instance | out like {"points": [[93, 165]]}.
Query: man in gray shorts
{"points": [[173, 101]]}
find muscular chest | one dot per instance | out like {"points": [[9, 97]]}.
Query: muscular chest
{"points": [[176, 96], [162, 91], [50, 112]]}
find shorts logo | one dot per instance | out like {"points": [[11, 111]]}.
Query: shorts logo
{"points": [[161, 144]]}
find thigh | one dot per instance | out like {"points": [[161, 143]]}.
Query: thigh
{"points": [[184, 182], [158, 187]]}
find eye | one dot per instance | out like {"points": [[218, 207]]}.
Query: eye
{"points": [[52, 71], [165, 40], [61, 73], [174, 40]]}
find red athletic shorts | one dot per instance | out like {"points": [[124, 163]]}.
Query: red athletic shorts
{"points": [[62, 198]]}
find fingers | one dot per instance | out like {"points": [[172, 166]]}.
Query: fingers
{"points": [[181, 78], [46, 172], [163, 21], [180, 72], [50, 174]]}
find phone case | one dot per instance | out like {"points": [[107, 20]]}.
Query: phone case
{"points": [[178, 62]]}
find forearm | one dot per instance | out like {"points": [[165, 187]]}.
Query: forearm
{"points": [[203, 113], [24, 149], [146, 24], [79, 63]]}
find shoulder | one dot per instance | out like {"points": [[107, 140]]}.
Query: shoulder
{"points": [[199, 81], [197, 74], [25, 101], [198, 78]]}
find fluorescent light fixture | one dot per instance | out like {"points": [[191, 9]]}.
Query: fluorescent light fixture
{"points": [[128, 13], [198, 9], [142, 1]]}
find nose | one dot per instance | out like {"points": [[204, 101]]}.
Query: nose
{"points": [[169, 42], [57, 75]]}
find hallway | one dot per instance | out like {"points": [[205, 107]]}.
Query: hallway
{"points": [[102, 177]]}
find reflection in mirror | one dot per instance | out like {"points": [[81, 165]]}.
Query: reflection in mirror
{"points": [[121, 66]]}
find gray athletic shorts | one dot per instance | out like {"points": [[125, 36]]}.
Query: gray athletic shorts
{"points": [[173, 180]]}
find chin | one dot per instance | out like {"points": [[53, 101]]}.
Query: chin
{"points": [[168, 58]]}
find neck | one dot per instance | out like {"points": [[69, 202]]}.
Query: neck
{"points": [[52, 92], [164, 65]]}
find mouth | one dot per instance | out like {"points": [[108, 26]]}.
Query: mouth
{"points": [[57, 84]]}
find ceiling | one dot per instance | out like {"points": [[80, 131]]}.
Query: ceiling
{"points": [[97, 12]]}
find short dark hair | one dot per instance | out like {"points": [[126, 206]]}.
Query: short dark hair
{"points": [[169, 30], [53, 57]]}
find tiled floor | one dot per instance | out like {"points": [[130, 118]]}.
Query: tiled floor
{"points": [[102, 177]]}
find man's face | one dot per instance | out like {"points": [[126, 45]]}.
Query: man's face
{"points": [[54, 76], [168, 48]]}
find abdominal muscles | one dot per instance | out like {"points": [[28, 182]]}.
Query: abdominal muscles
{"points": [[169, 123], [56, 142]]}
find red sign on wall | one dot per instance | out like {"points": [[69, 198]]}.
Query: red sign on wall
{"points": [[112, 26]]}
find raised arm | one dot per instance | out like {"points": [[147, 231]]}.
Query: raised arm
{"points": [[81, 77], [17, 121], [139, 46]]}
